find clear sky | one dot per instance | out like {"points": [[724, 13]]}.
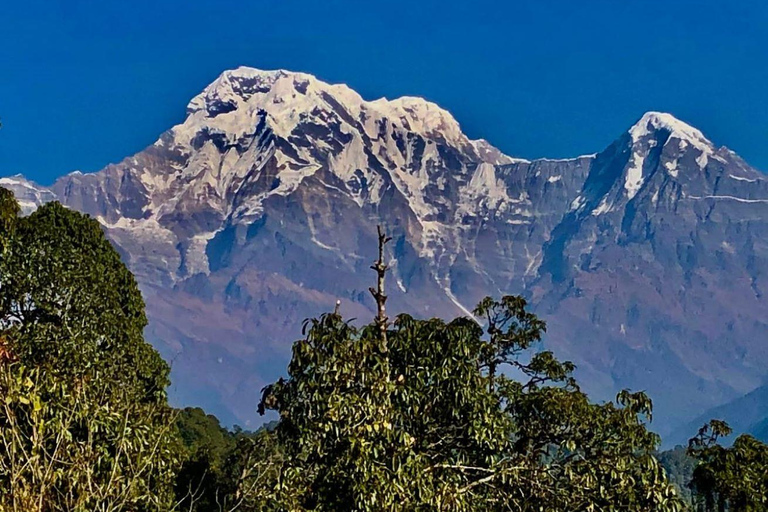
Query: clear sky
{"points": [[83, 84]]}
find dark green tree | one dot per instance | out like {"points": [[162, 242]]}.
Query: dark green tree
{"points": [[84, 424], [733, 479], [204, 479], [679, 467], [217, 461], [9, 211]]}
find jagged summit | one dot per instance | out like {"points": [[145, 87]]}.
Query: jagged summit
{"points": [[288, 95], [660, 158], [241, 84], [653, 122], [659, 128]]}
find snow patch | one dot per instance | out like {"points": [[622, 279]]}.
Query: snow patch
{"points": [[671, 168], [740, 178], [449, 293], [577, 203], [634, 175], [603, 207], [195, 257], [322, 245], [730, 198], [572, 159], [485, 183]]}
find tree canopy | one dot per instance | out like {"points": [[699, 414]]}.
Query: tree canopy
{"points": [[423, 415], [84, 422], [734, 478]]}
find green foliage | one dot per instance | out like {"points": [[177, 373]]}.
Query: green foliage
{"points": [[9, 210], [218, 462], [72, 307], [202, 433], [733, 479], [432, 422], [84, 423], [679, 467], [203, 480]]}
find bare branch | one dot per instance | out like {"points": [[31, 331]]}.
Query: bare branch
{"points": [[378, 293]]}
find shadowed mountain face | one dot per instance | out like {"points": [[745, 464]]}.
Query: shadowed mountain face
{"points": [[647, 260]]}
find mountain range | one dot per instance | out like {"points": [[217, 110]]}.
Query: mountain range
{"points": [[648, 259]]}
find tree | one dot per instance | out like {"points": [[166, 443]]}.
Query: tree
{"points": [[9, 211], [733, 479], [205, 481], [422, 415], [84, 422], [679, 467]]}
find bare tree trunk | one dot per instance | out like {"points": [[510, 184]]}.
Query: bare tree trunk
{"points": [[378, 293]]}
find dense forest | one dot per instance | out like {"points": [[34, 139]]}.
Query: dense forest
{"points": [[400, 414]]}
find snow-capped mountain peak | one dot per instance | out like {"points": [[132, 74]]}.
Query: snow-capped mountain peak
{"points": [[287, 95], [669, 140], [305, 124], [652, 123], [659, 158], [254, 136]]}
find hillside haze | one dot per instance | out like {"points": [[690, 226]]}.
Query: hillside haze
{"points": [[646, 259]]}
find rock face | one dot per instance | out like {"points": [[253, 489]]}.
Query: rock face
{"points": [[648, 260]]}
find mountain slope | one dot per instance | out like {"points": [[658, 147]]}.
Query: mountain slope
{"points": [[661, 263], [646, 259], [747, 414]]}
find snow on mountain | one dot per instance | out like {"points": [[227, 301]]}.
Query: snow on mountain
{"points": [[252, 135], [320, 122], [653, 121], [649, 159], [678, 131], [29, 194]]}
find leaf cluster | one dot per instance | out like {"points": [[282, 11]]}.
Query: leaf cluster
{"points": [[734, 478]]}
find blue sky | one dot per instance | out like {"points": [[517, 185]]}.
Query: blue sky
{"points": [[83, 84]]}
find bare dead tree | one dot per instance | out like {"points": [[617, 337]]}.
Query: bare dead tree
{"points": [[378, 293]]}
